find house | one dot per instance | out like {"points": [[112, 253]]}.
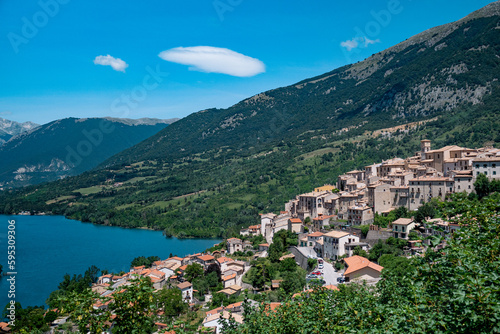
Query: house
{"points": [[186, 290], [234, 245], [349, 248], [263, 247], [489, 166], [104, 279], [360, 268], [402, 227], [214, 321], [359, 215], [423, 189], [334, 243], [295, 225], [321, 222], [229, 280], [205, 260], [312, 238]]}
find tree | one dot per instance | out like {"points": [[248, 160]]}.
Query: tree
{"points": [[133, 307], [482, 186], [359, 251], [193, 271], [81, 306], [170, 301]]}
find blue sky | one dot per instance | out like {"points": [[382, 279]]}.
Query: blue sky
{"points": [[49, 71]]}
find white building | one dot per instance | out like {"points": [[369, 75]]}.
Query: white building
{"points": [[334, 243]]}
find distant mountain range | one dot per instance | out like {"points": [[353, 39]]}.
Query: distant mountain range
{"points": [[428, 75], [9, 129], [67, 147], [212, 172]]}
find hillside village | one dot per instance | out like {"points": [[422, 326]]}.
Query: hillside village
{"points": [[327, 223]]}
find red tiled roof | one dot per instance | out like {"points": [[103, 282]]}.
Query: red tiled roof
{"points": [[206, 257], [357, 262]]}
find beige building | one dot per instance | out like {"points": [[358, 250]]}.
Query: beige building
{"points": [[423, 189], [295, 225], [463, 181], [402, 227], [489, 166], [234, 245], [360, 215], [361, 269], [334, 243]]}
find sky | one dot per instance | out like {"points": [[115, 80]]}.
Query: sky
{"points": [[168, 58]]}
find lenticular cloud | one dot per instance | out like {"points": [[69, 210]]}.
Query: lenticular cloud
{"points": [[214, 60]]}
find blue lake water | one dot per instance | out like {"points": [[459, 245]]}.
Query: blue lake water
{"points": [[47, 247]]}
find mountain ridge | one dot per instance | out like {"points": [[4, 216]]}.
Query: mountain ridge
{"points": [[213, 171], [50, 151], [403, 98]]}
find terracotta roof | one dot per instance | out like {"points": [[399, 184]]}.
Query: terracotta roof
{"points": [[233, 240], [235, 305], [206, 257], [315, 234], [264, 245], [224, 259], [331, 287], [184, 285], [214, 311], [227, 278], [357, 262], [175, 258], [295, 221]]}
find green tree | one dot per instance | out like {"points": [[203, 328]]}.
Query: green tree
{"points": [[193, 271], [133, 308], [170, 301], [482, 186], [359, 251]]}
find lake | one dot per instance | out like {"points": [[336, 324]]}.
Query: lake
{"points": [[47, 247]]}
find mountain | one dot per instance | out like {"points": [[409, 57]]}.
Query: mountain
{"points": [[212, 172], [69, 147], [9, 129], [430, 74]]}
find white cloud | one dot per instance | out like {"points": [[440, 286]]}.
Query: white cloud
{"points": [[350, 44], [369, 41], [116, 63], [214, 60], [358, 42]]}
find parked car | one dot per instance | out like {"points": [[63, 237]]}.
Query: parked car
{"points": [[316, 273], [341, 279]]}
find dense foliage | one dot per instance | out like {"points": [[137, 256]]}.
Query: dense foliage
{"points": [[449, 290]]}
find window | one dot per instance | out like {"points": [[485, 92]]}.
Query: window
{"points": [[494, 172], [494, 165], [477, 166], [485, 173], [485, 165]]}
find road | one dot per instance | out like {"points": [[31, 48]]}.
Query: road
{"points": [[329, 274]]}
